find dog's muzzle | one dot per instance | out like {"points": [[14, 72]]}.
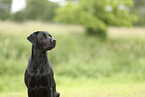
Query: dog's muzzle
{"points": [[53, 43]]}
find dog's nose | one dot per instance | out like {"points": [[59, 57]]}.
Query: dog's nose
{"points": [[53, 40]]}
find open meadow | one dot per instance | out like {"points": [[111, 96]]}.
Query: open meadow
{"points": [[84, 66]]}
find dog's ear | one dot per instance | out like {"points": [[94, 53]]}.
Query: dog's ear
{"points": [[33, 37]]}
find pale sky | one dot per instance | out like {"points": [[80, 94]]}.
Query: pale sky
{"points": [[19, 4]]}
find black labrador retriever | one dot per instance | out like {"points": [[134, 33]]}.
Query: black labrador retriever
{"points": [[39, 74]]}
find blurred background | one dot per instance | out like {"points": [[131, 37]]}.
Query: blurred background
{"points": [[100, 49]]}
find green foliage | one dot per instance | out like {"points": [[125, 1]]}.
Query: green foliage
{"points": [[5, 6], [45, 11], [138, 9], [35, 9], [95, 15], [40, 10], [19, 16], [50, 12]]}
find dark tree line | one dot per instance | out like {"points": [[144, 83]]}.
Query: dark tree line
{"points": [[34, 10], [5, 7], [139, 10], [45, 10]]}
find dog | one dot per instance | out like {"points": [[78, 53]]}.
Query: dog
{"points": [[39, 74]]}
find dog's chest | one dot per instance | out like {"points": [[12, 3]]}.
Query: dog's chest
{"points": [[39, 80]]}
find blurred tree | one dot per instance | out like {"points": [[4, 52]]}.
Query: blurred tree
{"points": [[40, 10], [18, 16], [5, 7], [96, 15], [139, 9], [35, 9], [50, 12]]}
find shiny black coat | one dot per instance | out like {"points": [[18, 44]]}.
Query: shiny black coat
{"points": [[39, 74]]}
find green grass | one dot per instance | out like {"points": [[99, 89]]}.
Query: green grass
{"points": [[93, 88], [84, 66]]}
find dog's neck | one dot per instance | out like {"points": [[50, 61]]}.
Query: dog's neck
{"points": [[38, 56]]}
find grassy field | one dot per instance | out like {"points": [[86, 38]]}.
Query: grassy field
{"points": [[84, 66], [93, 88]]}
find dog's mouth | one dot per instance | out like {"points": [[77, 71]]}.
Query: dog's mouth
{"points": [[52, 44]]}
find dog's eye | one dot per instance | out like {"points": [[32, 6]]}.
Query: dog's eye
{"points": [[50, 35], [44, 35]]}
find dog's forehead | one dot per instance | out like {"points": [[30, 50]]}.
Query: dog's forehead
{"points": [[42, 33]]}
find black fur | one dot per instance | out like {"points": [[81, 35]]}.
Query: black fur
{"points": [[39, 74]]}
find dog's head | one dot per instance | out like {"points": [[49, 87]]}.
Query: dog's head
{"points": [[42, 39]]}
